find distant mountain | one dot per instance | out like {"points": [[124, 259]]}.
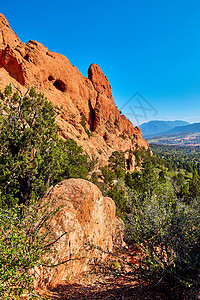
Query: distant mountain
{"points": [[191, 128], [154, 128]]}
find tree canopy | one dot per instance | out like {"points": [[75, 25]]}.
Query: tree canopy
{"points": [[32, 157]]}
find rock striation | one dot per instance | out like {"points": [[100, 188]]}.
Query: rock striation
{"points": [[51, 73], [88, 219]]}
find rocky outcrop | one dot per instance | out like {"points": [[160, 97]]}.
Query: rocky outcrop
{"points": [[88, 219], [32, 64], [99, 80]]}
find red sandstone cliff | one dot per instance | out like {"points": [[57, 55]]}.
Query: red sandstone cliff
{"points": [[32, 64]]}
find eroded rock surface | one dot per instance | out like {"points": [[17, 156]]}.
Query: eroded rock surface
{"points": [[32, 64], [88, 219]]}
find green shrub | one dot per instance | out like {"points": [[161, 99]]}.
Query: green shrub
{"points": [[88, 132], [120, 173], [83, 123], [168, 235], [77, 165], [108, 175], [24, 240], [94, 178], [117, 160], [118, 196]]}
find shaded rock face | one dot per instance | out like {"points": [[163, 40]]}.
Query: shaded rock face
{"points": [[32, 64], [87, 218]]}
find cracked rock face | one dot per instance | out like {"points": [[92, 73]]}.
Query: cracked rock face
{"points": [[88, 219], [32, 64]]}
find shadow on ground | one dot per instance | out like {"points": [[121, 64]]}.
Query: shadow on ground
{"points": [[122, 292]]}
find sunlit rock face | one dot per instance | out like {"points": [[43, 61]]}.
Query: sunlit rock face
{"points": [[88, 219], [78, 97]]}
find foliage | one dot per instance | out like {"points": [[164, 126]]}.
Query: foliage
{"points": [[83, 123], [168, 236], [194, 185], [24, 240], [120, 173], [118, 195], [159, 201], [32, 157], [77, 163], [94, 178], [117, 160], [177, 158], [145, 181], [92, 164], [162, 175], [108, 175], [159, 204]]}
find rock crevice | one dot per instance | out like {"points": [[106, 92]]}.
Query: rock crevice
{"points": [[91, 116]]}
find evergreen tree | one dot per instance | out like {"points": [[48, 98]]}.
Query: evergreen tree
{"points": [[108, 175], [32, 157], [194, 185], [117, 160]]}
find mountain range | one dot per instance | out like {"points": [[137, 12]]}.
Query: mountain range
{"points": [[185, 135], [191, 128], [155, 128]]}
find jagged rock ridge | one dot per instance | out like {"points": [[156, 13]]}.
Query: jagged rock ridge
{"points": [[79, 97]]}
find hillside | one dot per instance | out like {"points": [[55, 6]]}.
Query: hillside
{"points": [[153, 128], [188, 135], [184, 139], [191, 128], [87, 111]]}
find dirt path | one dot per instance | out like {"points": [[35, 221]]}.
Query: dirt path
{"points": [[94, 285], [89, 286]]}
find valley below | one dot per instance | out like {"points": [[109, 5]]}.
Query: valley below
{"points": [[181, 139]]}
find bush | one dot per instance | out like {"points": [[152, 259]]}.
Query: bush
{"points": [[24, 240], [120, 173], [83, 123], [168, 236], [108, 175], [118, 196], [77, 165], [94, 178]]}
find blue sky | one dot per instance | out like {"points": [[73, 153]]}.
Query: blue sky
{"points": [[151, 47]]}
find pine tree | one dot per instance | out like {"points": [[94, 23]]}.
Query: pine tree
{"points": [[117, 160], [32, 157]]}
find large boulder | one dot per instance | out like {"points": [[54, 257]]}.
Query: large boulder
{"points": [[91, 227]]}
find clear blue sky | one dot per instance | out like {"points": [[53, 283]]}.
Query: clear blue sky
{"points": [[150, 46]]}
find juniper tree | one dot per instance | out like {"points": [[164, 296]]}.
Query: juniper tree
{"points": [[117, 160], [32, 157]]}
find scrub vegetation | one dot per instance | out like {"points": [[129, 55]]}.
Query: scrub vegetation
{"points": [[158, 201], [159, 204]]}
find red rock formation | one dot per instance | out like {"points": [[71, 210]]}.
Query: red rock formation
{"points": [[88, 218], [32, 64], [99, 80]]}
